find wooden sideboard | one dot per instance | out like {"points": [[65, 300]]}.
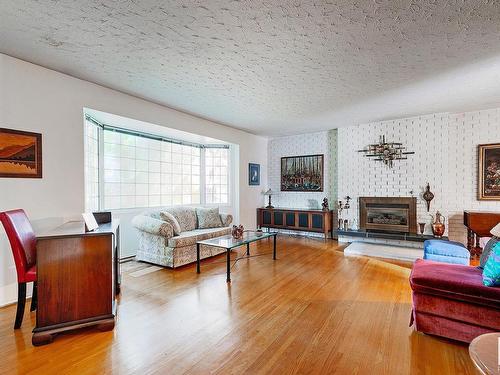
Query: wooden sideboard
{"points": [[297, 219], [479, 225], [78, 277]]}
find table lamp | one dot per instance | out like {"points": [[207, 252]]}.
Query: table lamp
{"points": [[269, 192]]}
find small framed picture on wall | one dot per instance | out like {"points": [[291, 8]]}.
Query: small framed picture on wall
{"points": [[489, 172], [20, 154], [253, 174]]}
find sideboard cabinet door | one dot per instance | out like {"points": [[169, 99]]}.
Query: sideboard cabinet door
{"points": [[266, 217], [317, 221]]}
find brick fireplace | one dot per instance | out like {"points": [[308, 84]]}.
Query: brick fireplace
{"points": [[388, 214]]}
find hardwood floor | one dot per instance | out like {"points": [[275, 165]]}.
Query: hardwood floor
{"points": [[312, 311]]}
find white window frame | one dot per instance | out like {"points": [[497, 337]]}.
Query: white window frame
{"points": [[228, 204]]}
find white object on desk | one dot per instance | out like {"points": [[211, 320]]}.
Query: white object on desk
{"points": [[90, 222]]}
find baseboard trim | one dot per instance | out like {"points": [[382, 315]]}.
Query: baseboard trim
{"points": [[127, 259], [8, 294]]}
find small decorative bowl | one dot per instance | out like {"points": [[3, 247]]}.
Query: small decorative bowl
{"points": [[237, 232]]}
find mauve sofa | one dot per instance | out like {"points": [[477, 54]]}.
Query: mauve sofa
{"points": [[450, 300]]}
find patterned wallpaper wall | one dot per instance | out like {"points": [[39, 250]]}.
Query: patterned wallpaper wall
{"points": [[445, 148]]}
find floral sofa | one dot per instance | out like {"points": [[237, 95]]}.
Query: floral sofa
{"points": [[168, 237]]}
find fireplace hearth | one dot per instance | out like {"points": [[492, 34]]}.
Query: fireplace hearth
{"points": [[388, 214]]}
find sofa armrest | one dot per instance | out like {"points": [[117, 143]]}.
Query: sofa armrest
{"points": [[154, 226], [226, 219]]}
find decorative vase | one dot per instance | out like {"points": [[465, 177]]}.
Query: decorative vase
{"points": [[438, 226], [422, 227], [237, 232]]}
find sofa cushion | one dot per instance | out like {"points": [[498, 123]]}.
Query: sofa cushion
{"points": [[169, 218], [208, 217], [491, 272], [191, 237], [226, 219], [154, 226], [452, 281], [185, 216]]}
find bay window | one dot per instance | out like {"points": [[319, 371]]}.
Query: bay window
{"points": [[127, 169]]}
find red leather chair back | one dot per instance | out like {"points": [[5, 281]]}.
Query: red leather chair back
{"points": [[22, 240]]}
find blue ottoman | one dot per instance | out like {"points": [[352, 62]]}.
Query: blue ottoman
{"points": [[446, 252]]}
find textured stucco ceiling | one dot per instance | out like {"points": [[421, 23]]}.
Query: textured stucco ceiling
{"points": [[270, 67]]}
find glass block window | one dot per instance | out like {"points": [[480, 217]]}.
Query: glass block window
{"points": [[142, 172], [217, 175], [126, 169], [91, 149]]}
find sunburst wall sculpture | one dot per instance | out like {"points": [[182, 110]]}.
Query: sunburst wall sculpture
{"points": [[386, 152]]}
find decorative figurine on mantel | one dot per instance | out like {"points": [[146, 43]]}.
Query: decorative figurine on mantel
{"points": [[324, 205], [347, 205], [343, 207], [428, 196], [339, 211]]}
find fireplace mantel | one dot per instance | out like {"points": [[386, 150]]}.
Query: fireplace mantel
{"points": [[361, 233], [391, 214]]}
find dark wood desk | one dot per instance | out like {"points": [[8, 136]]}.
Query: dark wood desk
{"points": [[78, 278], [479, 225]]}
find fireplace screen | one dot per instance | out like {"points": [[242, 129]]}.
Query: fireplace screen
{"points": [[391, 214], [382, 218]]}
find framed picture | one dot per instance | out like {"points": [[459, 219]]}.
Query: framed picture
{"points": [[302, 173], [20, 154], [489, 172], [253, 174]]}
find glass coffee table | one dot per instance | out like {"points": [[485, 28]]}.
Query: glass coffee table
{"points": [[229, 243]]}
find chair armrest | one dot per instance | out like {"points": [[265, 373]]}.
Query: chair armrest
{"points": [[153, 226], [226, 219]]}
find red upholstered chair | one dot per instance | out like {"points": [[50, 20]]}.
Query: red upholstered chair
{"points": [[450, 300], [23, 243]]}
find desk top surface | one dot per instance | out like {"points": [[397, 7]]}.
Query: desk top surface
{"points": [[77, 229]]}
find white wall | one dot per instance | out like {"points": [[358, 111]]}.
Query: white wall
{"points": [[36, 99], [304, 144], [445, 148]]}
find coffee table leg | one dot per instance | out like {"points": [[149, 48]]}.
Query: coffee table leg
{"points": [[197, 258], [228, 277], [274, 247], [248, 249]]}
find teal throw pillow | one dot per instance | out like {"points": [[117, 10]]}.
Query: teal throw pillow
{"points": [[487, 250], [491, 272]]}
